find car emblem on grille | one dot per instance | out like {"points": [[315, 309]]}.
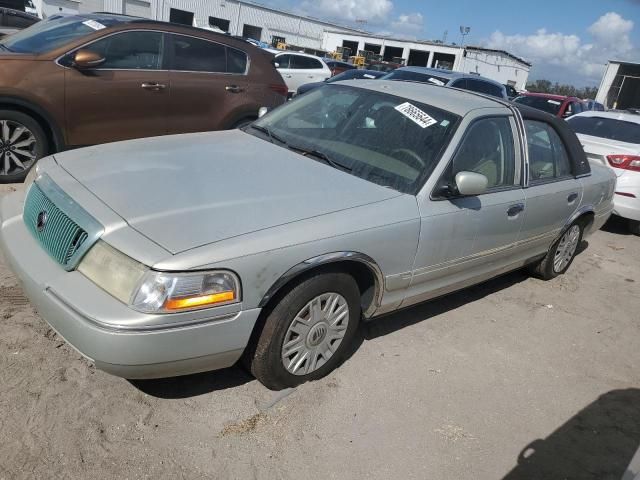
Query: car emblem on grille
{"points": [[41, 222]]}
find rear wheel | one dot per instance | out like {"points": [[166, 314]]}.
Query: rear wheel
{"points": [[308, 331], [561, 255], [634, 227], [22, 143]]}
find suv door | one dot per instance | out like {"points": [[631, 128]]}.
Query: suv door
{"points": [[208, 84], [463, 239], [553, 193], [125, 97]]}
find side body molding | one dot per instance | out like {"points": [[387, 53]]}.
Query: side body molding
{"points": [[328, 259]]}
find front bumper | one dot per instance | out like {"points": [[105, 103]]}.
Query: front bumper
{"points": [[117, 339]]}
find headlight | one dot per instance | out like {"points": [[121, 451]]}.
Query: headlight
{"points": [[31, 176], [149, 291]]}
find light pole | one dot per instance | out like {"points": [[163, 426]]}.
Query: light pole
{"points": [[464, 31]]}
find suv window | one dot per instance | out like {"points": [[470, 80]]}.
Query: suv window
{"points": [[283, 61], [130, 51], [196, 55], [306, 63], [236, 61], [15, 20], [481, 86], [487, 148], [548, 158]]}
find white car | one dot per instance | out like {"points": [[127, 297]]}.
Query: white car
{"points": [[613, 139], [300, 68]]}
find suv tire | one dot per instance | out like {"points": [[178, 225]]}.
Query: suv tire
{"points": [[22, 143]]}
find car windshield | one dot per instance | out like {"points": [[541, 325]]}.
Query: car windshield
{"points": [[50, 34], [548, 105], [609, 128], [388, 140], [408, 75]]}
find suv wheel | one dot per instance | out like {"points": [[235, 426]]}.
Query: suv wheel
{"points": [[561, 254], [307, 333], [22, 143]]}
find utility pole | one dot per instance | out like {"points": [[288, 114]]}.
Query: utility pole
{"points": [[464, 31]]}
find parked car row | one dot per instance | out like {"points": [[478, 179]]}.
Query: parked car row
{"points": [[271, 243]]}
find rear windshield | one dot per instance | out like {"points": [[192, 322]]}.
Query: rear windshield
{"points": [[541, 103], [609, 128], [410, 76], [53, 33]]}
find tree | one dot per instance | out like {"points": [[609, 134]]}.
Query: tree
{"points": [[545, 86]]}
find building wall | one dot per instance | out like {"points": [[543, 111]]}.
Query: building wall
{"points": [[606, 83], [496, 66]]}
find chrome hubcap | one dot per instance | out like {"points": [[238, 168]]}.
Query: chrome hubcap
{"points": [[315, 333], [17, 147], [566, 248]]}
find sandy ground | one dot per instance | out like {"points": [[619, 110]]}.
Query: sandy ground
{"points": [[517, 377]]}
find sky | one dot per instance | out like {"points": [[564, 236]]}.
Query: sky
{"points": [[568, 41]]}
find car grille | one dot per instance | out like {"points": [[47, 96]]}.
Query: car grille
{"points": [[58, 234]]}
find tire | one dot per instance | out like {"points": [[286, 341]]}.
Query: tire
{"points": [[27, 147], [634, 227], [561, 254], [292, 322]]}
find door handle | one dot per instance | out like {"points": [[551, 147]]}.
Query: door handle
{"points": [[234, 88], [309, 76], [287, 75], [515, 209], [572, 197], [153, 86]]}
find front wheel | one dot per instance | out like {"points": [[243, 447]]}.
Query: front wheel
{"points": [[22, 143], [561, 254], [307, 333]]}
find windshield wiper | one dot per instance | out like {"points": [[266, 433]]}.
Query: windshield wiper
{"points": [[303, 151], [322, 156], [272, 136]]}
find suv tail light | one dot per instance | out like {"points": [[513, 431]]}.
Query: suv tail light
{"points": [[626, 162], [280, 88]]}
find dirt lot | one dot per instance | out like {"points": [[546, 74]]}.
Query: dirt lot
{"points": [[517, 378]]}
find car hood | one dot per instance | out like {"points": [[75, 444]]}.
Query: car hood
{"points": [[186, 191]]}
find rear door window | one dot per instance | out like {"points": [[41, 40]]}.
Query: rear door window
{"points": [[236, 61], [197, 55], [306, 63], [548, 157], [130, 51], [17, 20], [481, 86]]}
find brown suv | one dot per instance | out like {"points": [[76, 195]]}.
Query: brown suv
{"points": [[87, 79]]}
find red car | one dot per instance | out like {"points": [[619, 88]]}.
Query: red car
{"points": [[557, 105]]}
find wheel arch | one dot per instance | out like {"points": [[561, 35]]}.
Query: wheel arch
{"points": [[586, 213], [50, 127], [363, 268]]}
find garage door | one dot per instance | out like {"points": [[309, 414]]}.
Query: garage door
{"points": [[137, 8]]}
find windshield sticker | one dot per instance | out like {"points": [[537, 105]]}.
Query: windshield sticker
{"points": [[554, 102], [93, 24], [367, 75], [435, 81], [414, 113], [444, 123]]}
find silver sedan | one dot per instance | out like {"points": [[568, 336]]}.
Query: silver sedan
{"points": [[172, 255]]}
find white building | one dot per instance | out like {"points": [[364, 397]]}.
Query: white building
{"points": [[269, 25], [620, 85], [498, 65]]}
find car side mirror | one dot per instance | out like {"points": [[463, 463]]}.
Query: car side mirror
{"points": [[471, 183], [84, 59]]}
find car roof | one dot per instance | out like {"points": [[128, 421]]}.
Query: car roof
{"points": [[612, 114], [293, 52], [453, 100], [450, 74]]}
